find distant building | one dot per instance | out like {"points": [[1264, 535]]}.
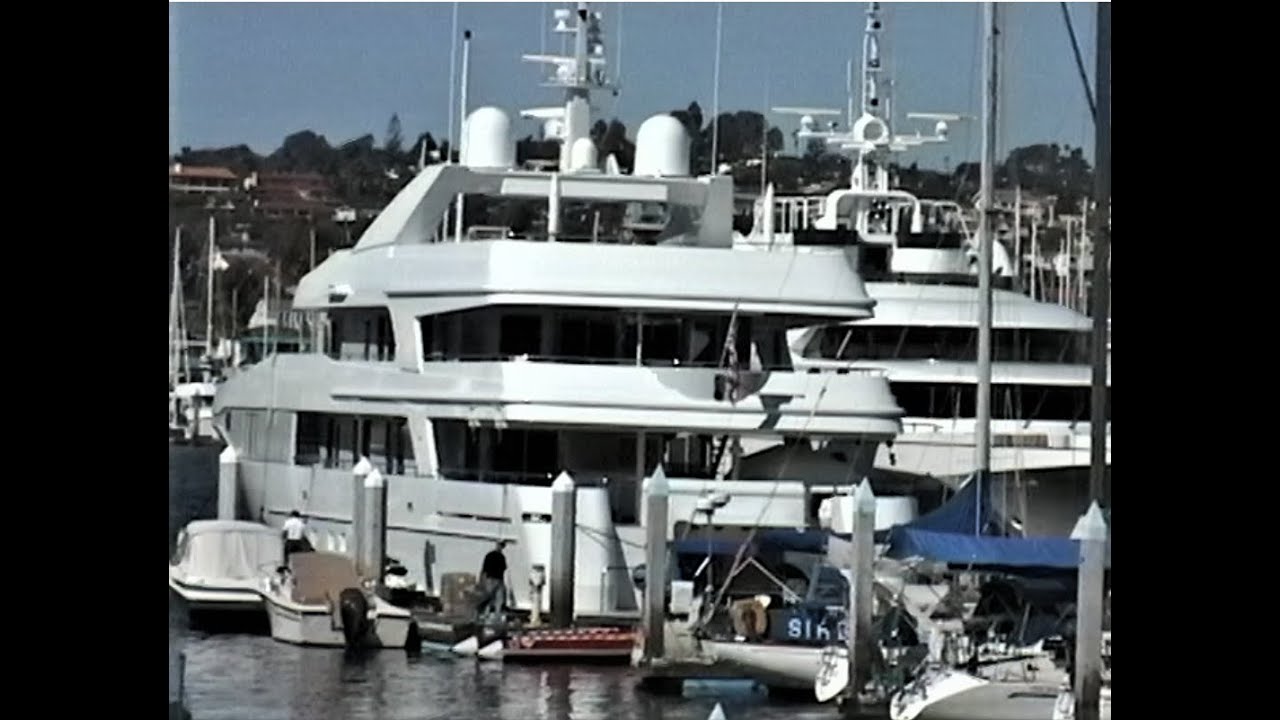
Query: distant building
{"points": [[201, 179], [282, 194]]}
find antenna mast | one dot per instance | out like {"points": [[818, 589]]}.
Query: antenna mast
{"points": [[871, 62], [577, 75], [868, 138]]}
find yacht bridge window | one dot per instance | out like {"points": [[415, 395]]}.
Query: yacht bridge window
{"points": [[602, 336], [1008, 402], [947, 343], [486, 217], [338, 441], [363, 334], [514, 454]]}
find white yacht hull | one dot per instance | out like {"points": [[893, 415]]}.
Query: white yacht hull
{"points": [[315, 625], [436, 527], [228, 596], [946, 448], [956, 695], [787, 666]]}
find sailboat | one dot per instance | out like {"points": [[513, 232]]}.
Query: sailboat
{"points": [[949, 692], [190, 397]]}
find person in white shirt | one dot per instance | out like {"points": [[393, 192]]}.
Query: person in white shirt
{"points": [[295, 534]]}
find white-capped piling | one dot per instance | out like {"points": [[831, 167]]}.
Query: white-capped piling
{"points": [[358, 474], [228, 473], [564, 521], [373, 528], [1091, 531], [656, 497], [861, 569]]}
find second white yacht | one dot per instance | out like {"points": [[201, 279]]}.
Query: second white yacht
{"points": [[920, 262]]}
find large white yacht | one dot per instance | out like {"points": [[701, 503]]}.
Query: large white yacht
{"points": [[474, 359], [920, 263]]}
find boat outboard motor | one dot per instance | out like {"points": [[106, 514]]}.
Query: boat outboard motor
{"points": [[353, 607]]}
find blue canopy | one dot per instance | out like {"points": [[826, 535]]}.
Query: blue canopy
{"points": [[956, 549], [966, 530]]}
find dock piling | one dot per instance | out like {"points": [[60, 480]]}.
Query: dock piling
{"points": [[372, 532], [358, 474], [656, 494], [564, 522], [228, 469], [1091, 531], [861, 568]]}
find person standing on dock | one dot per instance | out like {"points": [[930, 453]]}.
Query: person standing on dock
{"points": [[295, 534], [493, 589]]}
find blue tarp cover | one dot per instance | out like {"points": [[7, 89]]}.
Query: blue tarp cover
{"points": [[958, 549], [964, 531]]}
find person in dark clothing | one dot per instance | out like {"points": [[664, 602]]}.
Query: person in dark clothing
{"points": [[493, 589]]}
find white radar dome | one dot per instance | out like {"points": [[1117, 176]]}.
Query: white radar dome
{"points": [[870, 129], [489, 142], [552, 129], [583, 156], [662, 148]]}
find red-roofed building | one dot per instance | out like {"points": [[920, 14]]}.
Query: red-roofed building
{"points": [[278, 194], [201, 179]]}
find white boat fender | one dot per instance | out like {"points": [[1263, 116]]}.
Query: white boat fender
{"points": [[468, 647], [492, 651]]}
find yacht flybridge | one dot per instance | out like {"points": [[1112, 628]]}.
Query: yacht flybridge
{"points": [[497, 326], [920, 263]]}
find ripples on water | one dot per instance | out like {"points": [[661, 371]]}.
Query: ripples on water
{"points": [[237, 677], [243, 677]]}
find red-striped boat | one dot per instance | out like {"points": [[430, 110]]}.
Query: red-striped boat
{"points": [[600, 644]]}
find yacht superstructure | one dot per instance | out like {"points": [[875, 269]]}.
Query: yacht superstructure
{"points": [[578, 320], [921, 265]]}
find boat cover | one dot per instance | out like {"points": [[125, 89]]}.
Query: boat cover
{"points": [[228, 550]]}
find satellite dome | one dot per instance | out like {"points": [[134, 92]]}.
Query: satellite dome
{"points": [[488, 140], [662, 148], [582, 156]]}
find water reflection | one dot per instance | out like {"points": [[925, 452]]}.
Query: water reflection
{"points": [[237, 676]]}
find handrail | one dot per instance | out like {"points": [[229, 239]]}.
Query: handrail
{"points": [[628, 361]]}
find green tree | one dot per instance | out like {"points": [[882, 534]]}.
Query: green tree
{"points": [[394, 140]]}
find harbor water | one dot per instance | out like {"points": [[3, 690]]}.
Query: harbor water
{"points": [[246, 677]]}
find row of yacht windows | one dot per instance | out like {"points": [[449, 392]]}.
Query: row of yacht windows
{"points": [[321, 439], [516, 455], [360, 334], [599, 335], [1008, 402], [338, 441], [850, 342]]}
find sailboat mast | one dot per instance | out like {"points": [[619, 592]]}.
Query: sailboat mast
{"points": [[990, 93], [1101, 300], [208, 293], [175, 294], [715, 96]]}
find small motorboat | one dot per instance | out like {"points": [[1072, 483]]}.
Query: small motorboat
{"points": [[216, 566], [318, 599]]}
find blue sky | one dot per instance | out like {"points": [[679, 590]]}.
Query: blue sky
{"points": [[254, 72]]}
